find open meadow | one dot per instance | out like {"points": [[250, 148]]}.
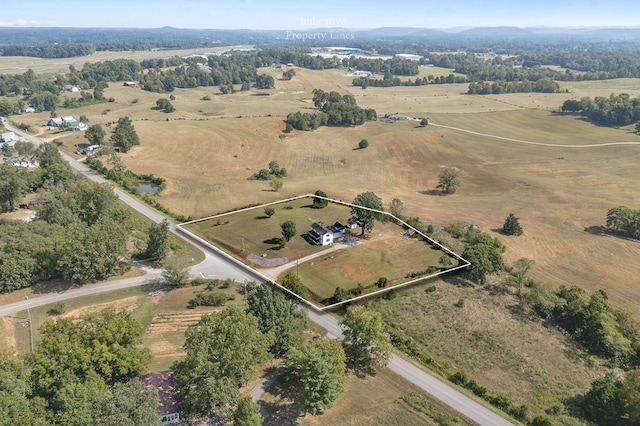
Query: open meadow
{"points": [[473, 330], [207, 150]]}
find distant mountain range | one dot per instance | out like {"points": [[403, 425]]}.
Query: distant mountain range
{"points": [[178, 37]]}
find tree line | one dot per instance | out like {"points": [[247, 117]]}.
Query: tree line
{"points": [[543, 85], [615, 110], [389, 81]]}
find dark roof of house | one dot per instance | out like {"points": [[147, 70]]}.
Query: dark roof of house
{"points": [[318, 229], [336, 227], [167, 396]]}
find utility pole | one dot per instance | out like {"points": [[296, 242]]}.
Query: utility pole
{"points": [[244, 284], [26, 298]]}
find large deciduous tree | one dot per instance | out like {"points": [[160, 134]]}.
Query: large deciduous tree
{"points": [[448, 180], [629, 396], [223, 352], [366, 344], [158, 243], [319, 368], [13, 185], [277, 315], [288, 230], [264, 81], [370, 213], [124, 135], [319, 201], [485, 255], [95, 134], [104, 343]]}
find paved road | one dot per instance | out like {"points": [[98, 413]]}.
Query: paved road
{"points": [[216, 264]]}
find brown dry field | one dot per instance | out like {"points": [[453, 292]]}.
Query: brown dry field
{"points": [[529, 362], [208, 149]]}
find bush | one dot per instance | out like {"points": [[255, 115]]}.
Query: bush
{"points": [[58, 308], [363, 144], [210, 299]]}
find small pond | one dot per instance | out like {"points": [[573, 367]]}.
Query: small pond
{"points": [[147, 188]]}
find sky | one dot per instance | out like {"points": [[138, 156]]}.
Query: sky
{"points": [[301, 15]]}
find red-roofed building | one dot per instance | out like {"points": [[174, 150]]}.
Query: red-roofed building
{"points": [[168, 406]]}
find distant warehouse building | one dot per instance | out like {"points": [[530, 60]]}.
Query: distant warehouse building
{"points": [[408, 56]]}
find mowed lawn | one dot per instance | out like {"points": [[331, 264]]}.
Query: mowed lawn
{"points": [[252, 232], [386, 254]]}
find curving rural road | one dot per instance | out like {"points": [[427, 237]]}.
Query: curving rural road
{"points": [[217, 265]]}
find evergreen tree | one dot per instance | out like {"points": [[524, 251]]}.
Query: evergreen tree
{"points": [[511, 225]]}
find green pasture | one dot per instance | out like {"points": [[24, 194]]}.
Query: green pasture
{"points": [[252, 232], [389, 255]]}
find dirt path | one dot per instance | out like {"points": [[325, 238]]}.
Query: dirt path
{"points": [[552, 145]]}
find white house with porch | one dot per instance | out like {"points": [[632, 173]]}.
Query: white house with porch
{"points": [[321, 235]]}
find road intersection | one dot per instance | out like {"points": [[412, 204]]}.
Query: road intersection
{"points": [[217, 265]]}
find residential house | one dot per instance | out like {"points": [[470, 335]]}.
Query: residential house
{"points": [[29, 109], [168, 406], [68, 119], [362, 74], [129, 83], [55, 122], [326, 235], [71, 88], [77, 126], [397, 117], [9, 138], [28, 163]]}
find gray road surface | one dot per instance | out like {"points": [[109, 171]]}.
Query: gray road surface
{"points": [[216, 265]]}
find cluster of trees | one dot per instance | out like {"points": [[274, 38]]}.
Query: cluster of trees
{"points": [[542, 85], [591, 319], [274, 171], [594, 64], [389, 80], [224, 350], [79, 232], [393, 66], [165, 105], [612, 400], [624, 220], [335, 110], [82, 372], [288, 74], [124, 135], [615, 110]]}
